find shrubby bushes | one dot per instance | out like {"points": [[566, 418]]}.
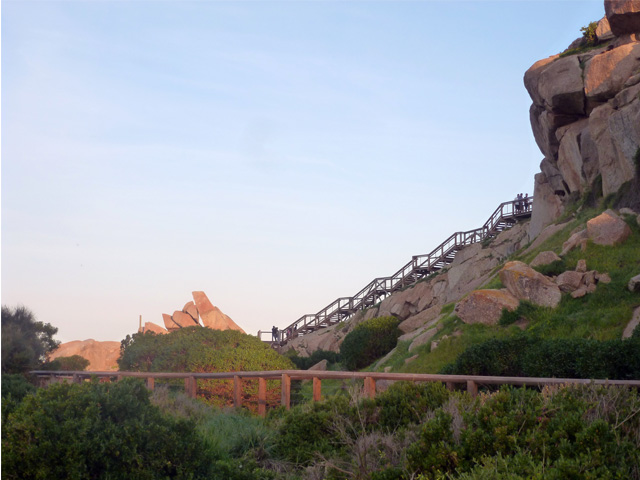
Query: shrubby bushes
{"points": [[524, 356], [304, 363], [99, 430], [369, 341], [198, 349], [74, 363]]}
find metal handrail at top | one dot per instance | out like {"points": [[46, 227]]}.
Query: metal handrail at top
{"points": [[420, 266]]}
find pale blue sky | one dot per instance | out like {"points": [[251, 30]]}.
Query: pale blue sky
{"points": [[276, 155]]}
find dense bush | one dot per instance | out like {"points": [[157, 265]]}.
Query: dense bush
{"points": [[74, 363], [25, 341], [99, 431], [304, 363], [14, 388], [563, 358], [198, 349], [369, 341]]}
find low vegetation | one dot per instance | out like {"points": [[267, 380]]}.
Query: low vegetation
{"points": [[369, 341]]}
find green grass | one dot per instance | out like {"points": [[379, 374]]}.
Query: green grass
{"points": [[601, 315]]}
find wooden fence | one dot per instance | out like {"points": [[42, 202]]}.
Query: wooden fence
{"points": [[472, 382]]}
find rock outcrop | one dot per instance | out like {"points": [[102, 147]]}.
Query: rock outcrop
{"points": [[608, 229], [190, 315], [102, 356], [585, 115]]}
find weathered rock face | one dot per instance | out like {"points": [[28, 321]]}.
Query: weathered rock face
{"points": [[524, 283], [485, 306], [211, 315], [190, 314], [585, 115], [102, 356], [544, 258]]}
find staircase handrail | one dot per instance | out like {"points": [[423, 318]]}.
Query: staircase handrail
{"points": [[419, 265]]}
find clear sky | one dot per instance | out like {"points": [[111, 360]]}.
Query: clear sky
{"points": [[276, 155]]}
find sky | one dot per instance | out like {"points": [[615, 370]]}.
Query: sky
{"points": [[276, 155]]}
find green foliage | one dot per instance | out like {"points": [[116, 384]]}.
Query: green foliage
{"points": [[99, 430], [306, 431], [74, 363], [589, 33], [304, 363], [563, 358], [198, 349], [14, 388], [369, 341], [404, 403], [525, 310], [25, 341], [552, 269]]}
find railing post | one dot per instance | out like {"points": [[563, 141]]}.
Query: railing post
{"points": [[285, 398], [472, 388], [370, 387], [262, 397], [151, 383], [237, 391], [190, 386], [317, 389]]}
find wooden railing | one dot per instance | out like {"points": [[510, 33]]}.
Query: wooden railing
{"points": [[472, 382], [420, 266]]}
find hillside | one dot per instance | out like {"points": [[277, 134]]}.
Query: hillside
{"points": [[585, 118]]}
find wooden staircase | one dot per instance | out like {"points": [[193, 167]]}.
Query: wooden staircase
{"points": [[504, 217]]}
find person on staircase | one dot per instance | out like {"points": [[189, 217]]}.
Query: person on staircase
{"points": [[275, 334]]}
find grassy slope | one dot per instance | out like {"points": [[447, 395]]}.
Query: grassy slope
{"points": [[601, 315]]}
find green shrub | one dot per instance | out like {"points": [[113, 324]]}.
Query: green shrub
{"points": [[73, 363], [99, 430], [198, 349], [524, 310], [552, 269], [14, 388], [369, 341], [563, 358], [404, 403], [304, 363], [589, 33]]}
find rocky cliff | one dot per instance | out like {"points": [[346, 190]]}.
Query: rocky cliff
{"points": [[102, 356], [585, 116]]}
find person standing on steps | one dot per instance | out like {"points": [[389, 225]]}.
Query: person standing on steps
{"points": [[274, 334], [518, 203]]}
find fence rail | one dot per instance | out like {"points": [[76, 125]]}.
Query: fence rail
{"points": [[504, 216], [472, 382]]}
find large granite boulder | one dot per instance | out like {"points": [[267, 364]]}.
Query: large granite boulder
{"points": [[102, 356], [485, 306], [569, 281], [183, 320], [524, 283], [623, 16], [608, 229]]}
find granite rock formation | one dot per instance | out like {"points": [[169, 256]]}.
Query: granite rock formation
{"points": [[585, 115], [200, 308]]}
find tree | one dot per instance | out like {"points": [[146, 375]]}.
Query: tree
{"points": [[25, 341]]}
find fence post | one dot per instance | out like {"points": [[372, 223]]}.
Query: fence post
{"points": [[472, 388], [317, 389], [237, 391], [262, 397], [151, 383], [370, 387], [190, 386], [286, 391]]}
